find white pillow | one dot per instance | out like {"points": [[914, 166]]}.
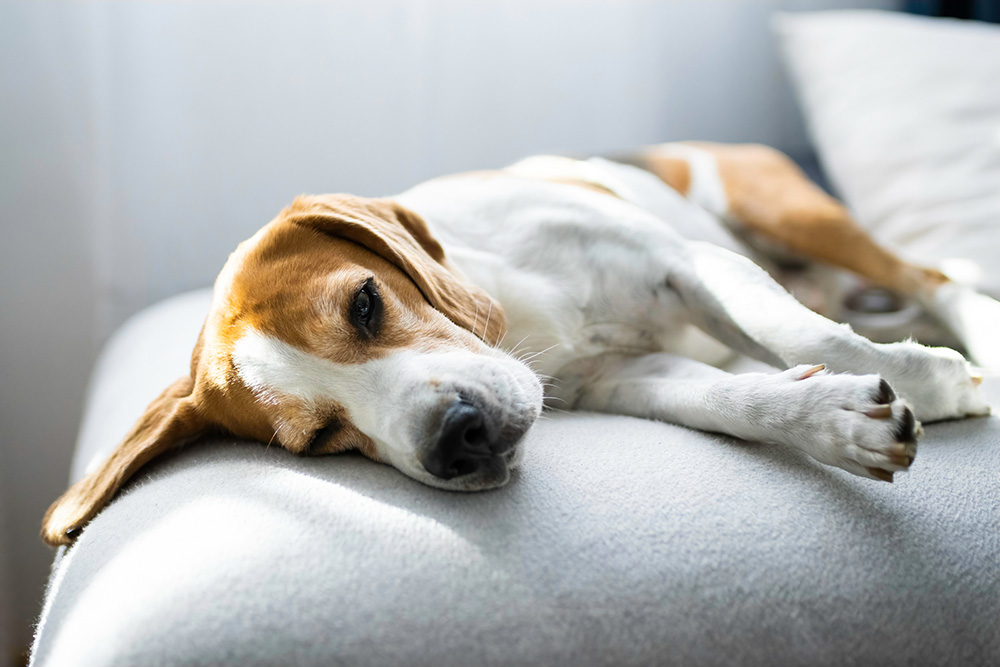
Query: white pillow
{"points": [[905, 114]]}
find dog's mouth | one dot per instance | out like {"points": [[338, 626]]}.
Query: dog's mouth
{"points": [[495, 473]]}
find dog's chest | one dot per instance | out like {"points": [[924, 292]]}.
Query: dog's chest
{"points": [[607, 309], [579, 274]]}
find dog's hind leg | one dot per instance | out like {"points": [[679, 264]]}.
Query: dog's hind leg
{"points": [[763, 193], [737, 302], [854, 422]]}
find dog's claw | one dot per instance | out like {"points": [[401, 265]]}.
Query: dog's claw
{"points": [[885, 393], [901, 460], [897, 448], [878, 473], [908, 429], [809, 372], [880, 412]]}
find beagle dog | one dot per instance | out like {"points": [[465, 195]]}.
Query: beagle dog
{"points": [[427, 330]]}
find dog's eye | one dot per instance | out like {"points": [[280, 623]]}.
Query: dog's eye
{"points": [[365, 308]]}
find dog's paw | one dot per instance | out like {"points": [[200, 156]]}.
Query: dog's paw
{"points": [[853, 422], [974, 318], [937, 381]]}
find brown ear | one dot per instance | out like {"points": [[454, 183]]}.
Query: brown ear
{"points": [[401, 236], [170, 420]]}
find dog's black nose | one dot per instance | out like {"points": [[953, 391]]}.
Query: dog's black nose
{"points": [[463, 446]]}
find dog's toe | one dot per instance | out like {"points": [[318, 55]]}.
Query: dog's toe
{"points": [[877, 434]]}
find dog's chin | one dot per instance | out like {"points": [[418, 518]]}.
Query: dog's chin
{"points": [[494, 475]]}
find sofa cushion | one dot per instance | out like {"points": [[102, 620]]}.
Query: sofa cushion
{"points": [[619, 542]]}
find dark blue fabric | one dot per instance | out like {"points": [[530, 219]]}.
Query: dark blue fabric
{"points": [[982, 10]]}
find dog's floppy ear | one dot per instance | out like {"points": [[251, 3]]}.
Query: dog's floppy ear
{"points": [[401, 236], [170, 420]]}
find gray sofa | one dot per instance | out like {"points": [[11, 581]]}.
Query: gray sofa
{"points": [[619, 542]]}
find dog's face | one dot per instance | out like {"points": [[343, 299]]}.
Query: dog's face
{"points": [[340, 326]]}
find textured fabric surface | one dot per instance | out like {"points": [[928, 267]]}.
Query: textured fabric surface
{"points": [[905, 114], [619, 542]]}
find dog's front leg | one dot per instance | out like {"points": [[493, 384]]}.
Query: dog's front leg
{"points": [[854, 422], [737, 302]]}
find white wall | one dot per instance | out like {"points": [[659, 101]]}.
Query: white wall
{"points": [[139, 142], [47, 290]]}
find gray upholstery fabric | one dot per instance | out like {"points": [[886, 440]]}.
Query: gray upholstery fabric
{"points": [[620, 542]]}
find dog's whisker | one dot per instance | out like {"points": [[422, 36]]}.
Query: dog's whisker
{"points": [[517, 347], [526, 356], [540, 352], [528, 359], [486, 327]]}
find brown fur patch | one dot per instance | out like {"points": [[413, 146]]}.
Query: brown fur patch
{"points": [[769, 195], [674, 171]]}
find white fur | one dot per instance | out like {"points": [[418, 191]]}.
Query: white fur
{"points": [[973, 317], [823, 414], [602, 290]]}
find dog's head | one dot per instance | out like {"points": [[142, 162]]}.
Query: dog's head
{"points": [[340, 325]]}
